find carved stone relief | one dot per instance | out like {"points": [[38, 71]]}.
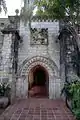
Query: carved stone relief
{"points": [[39, 36]]}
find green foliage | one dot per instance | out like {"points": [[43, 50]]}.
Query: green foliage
{"points": [[3, 6], [59, 9], [72, 92], [4, 89], [75, 93], [66, 91], [27, 12], [77, 113]]}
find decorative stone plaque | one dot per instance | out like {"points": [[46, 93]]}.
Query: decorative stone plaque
{"points": [[39, 36]]}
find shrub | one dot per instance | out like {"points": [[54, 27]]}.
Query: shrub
{"points": [[72, 93], [4, 89], [75, 99]]}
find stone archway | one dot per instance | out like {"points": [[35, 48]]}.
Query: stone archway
{"points": [[38, 82], [49, 66]]}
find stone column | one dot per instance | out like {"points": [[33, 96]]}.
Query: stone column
{"points": [[51, 88], [13, 88], [22, 87], [57, 87]]}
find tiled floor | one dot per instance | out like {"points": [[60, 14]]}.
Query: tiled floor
{"points": [[37, 109]]}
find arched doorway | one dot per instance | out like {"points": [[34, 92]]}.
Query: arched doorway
{"points": [[38, 83]]}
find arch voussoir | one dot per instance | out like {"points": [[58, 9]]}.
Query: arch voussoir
{"points": [[35, 61]]}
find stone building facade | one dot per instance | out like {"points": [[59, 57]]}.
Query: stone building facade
{"points": [[32, 56], [35, 49], [45, 55]]}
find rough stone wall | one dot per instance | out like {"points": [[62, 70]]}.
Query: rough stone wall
{"points": [[4, 40], [1, 44], [51, 50], [27, 58], [6, 53], [49, 58]]}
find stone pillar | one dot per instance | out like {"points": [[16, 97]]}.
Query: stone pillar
{"points": [[30, 78], [13, 88], [51, 88], [54, 87], [22, 87], [57, 87]]}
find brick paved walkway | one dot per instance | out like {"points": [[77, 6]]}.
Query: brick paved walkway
{"points": [[37, 109]]}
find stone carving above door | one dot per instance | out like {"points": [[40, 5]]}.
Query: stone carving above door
{"points": [[39, 36]]}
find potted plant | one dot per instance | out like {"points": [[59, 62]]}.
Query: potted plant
{"points": [[4, 94]]}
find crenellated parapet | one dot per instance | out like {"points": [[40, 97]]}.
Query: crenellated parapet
{"points": [[43, 20]]}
